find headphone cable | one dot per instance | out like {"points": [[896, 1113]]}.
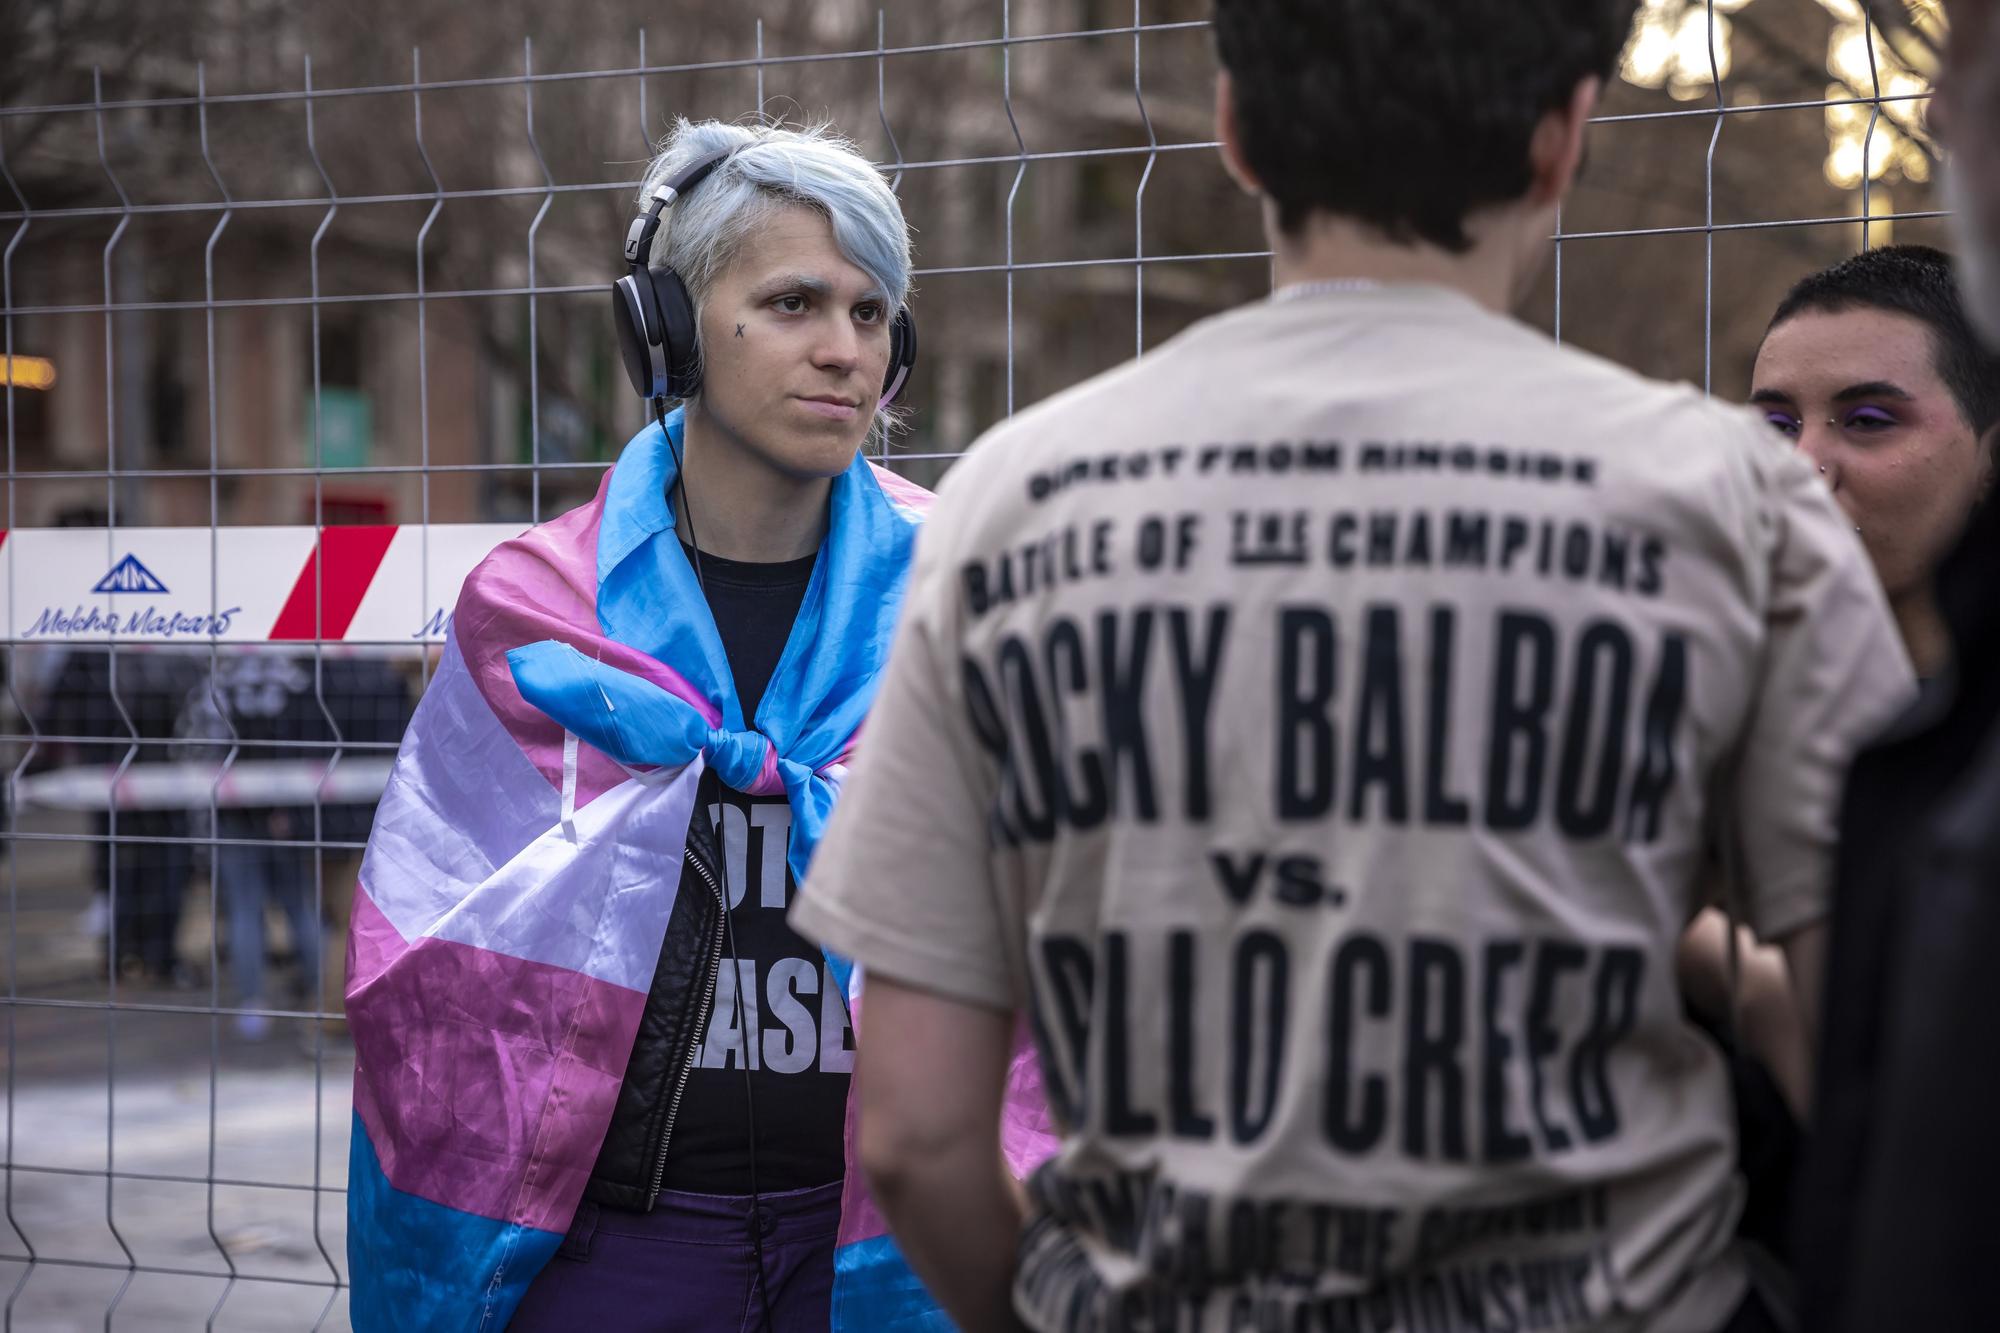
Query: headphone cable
{"points": [[728, 924]]}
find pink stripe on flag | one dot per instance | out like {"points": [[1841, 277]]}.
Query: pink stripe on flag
{"points": [[768, 782], [1029, 1135], [469, 1065], [902, 492]]}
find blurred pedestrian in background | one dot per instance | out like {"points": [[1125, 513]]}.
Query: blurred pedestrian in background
{"points": [[276, 706]]}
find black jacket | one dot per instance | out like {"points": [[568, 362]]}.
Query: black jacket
{"points": [[634, 1156], [1901, 1175]]}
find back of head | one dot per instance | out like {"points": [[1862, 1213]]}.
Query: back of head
{"points": [[772, 168], [1407, 115], [1916, 281]]}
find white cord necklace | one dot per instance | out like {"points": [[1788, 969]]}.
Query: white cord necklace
{"points": [[1297, 290]]}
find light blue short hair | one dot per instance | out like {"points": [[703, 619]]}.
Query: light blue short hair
{"points": [[775, 167]]}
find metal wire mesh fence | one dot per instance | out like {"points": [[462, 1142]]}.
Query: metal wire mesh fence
{"points": [[272, 385]]}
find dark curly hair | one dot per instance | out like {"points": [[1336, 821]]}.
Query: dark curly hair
{"points": [[1913, 280], [1405, 114]]}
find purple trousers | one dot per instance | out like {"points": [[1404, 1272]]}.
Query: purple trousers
{"points": [[689, 1266]]}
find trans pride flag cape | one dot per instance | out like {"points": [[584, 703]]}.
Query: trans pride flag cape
{"points": [[524, 862]]}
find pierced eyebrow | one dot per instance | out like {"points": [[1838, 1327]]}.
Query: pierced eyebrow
{"points": [[1874, 389]]}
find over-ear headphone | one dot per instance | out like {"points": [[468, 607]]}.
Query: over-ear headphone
{"points": [[654, 314]]}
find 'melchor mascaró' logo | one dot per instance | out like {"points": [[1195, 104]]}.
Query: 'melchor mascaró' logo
{"points": [[130, 576]]}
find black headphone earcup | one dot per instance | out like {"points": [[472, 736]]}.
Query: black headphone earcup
{"points": [[679, 337], [638, 344], [902, 355]]}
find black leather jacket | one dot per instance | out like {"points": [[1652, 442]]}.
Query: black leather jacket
{"points": [[1893, 1214], [633, 1160]]}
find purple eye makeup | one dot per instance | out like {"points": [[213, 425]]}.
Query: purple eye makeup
{"points": [[1867, 418]]}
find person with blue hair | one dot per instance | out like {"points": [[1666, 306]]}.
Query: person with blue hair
{"points": [[786, 203], [600, 1081], [715, 1198]]}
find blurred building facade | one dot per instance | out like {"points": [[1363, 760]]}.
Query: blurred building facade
{"points": [[1035, 173]]}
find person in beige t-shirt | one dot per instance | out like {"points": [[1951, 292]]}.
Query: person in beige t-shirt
{"points": [[1316, 730]]}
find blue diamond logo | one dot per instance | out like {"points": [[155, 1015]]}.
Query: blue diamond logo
{"points": [[128, 575]]}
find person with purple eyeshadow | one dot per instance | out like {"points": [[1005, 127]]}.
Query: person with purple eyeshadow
{"points": [[1872, 367], [1894, 1212]]}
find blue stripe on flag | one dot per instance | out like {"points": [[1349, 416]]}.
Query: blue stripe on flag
{"points": [[418, 1264], [874, 1289]]}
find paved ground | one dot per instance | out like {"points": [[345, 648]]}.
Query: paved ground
{"points": [[157, 1094]]}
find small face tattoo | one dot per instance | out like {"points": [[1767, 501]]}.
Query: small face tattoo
{"points": [[739, 330]]}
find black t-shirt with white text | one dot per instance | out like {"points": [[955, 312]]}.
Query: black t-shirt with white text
{"points": [[801, 1051]]}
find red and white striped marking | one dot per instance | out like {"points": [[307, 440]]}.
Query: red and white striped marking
{"points": [[361, 584]]}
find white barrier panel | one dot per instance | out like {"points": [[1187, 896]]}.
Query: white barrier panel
{"points": [[372, 583], [188, 785]]}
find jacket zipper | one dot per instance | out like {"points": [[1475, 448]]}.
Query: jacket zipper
{"points": [[700, 1026]]}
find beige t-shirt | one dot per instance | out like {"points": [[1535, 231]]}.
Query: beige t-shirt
{"points": [[1317, 727]]}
